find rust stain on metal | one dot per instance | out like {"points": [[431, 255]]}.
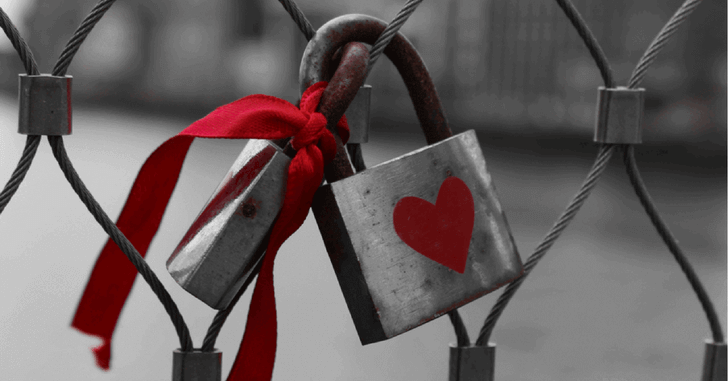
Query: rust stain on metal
{"points": [[250, 208]]}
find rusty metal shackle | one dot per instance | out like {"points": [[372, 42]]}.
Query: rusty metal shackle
{"points": [[356, 27]]}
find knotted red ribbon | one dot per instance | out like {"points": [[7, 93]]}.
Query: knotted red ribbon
{"points": [[257, 117]]}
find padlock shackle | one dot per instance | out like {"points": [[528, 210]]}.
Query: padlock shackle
{"points": [[337, 96], [356, 27]]}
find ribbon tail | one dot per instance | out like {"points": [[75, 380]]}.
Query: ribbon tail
{"points": [[113, 275], [256, 356]]}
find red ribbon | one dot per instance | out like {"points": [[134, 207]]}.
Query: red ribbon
{"points": [[258, 117]]}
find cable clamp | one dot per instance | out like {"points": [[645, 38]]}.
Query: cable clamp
{"points": [[714, 362], [197, 365], [619, 115], [45, 104], [472, 363]]}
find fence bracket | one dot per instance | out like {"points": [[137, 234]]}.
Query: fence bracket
{"points": [[475, 363], [619, 115], [45, 105], [197, 366]]}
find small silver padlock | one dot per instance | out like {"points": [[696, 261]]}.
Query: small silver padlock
{"points": [[229, 237], [417, 236]]}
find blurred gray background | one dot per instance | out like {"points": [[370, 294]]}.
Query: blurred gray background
{"points": [[607, 302]]}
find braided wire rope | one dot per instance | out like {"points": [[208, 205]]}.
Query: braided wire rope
{"points": [[83, 30], [600, 164], [389, 32], [632, 170], [355, 153], [59, 151], [32, 141], [639, 186], [659, 42], [299, 18], [461, 333], [664, 231], [208, 344], [24, 52]]}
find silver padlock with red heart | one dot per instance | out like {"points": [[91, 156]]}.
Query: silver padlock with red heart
{"points": [[417, 236]]}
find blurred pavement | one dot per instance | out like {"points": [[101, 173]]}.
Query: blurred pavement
{"points": [[607, 302]]}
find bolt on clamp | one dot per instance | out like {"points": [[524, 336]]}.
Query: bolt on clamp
{"points": [[45, 104], [619, 115]]}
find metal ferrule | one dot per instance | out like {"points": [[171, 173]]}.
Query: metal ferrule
{"points": [[357, 115], [714, 364], [619, 115], [197, 366], [474, 363], [45, 105]]}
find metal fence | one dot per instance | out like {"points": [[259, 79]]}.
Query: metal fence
{"points": [[164, 60], [502, 79]]}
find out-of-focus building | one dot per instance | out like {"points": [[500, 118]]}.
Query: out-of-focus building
{"points": [[501, 64]]}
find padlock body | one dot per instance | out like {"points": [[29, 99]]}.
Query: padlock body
{"points": [[229, 237], [388, 286]]}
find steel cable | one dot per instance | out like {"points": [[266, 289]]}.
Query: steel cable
{"points": [[664, 232], [83, 193], [596, 51], [208, 345], [659, 42], [299, 18], [59, 151], [638, 183], [461, 333], [24, 52], [83, 30], [390, 31], [380, 44], [600, 164], [32, 141]]}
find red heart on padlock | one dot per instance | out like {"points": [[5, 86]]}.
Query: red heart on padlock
{"points": [[442, 231]]}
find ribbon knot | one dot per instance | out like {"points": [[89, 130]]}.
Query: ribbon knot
{"points": [[253, 117], [312, 132]]}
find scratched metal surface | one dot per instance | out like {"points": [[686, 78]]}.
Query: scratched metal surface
{"points": [[606, 303], [227, 239], [407, 288]]}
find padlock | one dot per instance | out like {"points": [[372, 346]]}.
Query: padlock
{"points": [[417, 236], [219, 252], [228, 238]]}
